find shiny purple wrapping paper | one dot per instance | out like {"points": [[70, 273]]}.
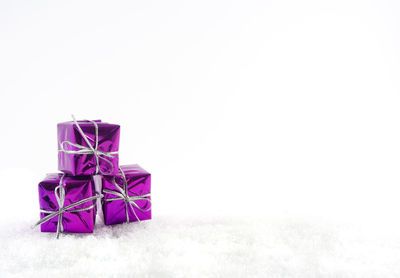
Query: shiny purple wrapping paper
{"points": [[76, 189], [138, 183], [85, 164]]}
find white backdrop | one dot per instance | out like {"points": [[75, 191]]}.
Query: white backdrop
{"points": [[250, 108]]}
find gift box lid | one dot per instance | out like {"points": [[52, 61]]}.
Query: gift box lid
{"points": [[86, 123], [54, 178], [134, 170]]}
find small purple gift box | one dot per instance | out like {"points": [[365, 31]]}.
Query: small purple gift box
{"points": [[127, 195], [88, 147], [67, 204]]}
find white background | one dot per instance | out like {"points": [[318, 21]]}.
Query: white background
{"points": [[244, 108], [271, 129]]}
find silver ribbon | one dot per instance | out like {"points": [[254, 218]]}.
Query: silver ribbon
{"points": [[89, 150], [59, 191], [129, 200]]}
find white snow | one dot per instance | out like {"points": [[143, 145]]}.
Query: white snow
{"points": [[204, 247]]}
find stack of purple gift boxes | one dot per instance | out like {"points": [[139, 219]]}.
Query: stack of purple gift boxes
{"points": [[91, 181]]}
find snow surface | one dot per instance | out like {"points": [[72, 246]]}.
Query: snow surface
{"points": [[204, 247]]}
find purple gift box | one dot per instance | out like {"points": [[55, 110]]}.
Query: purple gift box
{"points": [[67, 204], [127, 195], [88, 147]]}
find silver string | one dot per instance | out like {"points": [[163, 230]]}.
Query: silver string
{"points": [[89, 150], [59, 191], [129, 200]]}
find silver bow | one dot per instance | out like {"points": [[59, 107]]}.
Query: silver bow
{"points": [[129, 200], [59, 191], [89, 150]]}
